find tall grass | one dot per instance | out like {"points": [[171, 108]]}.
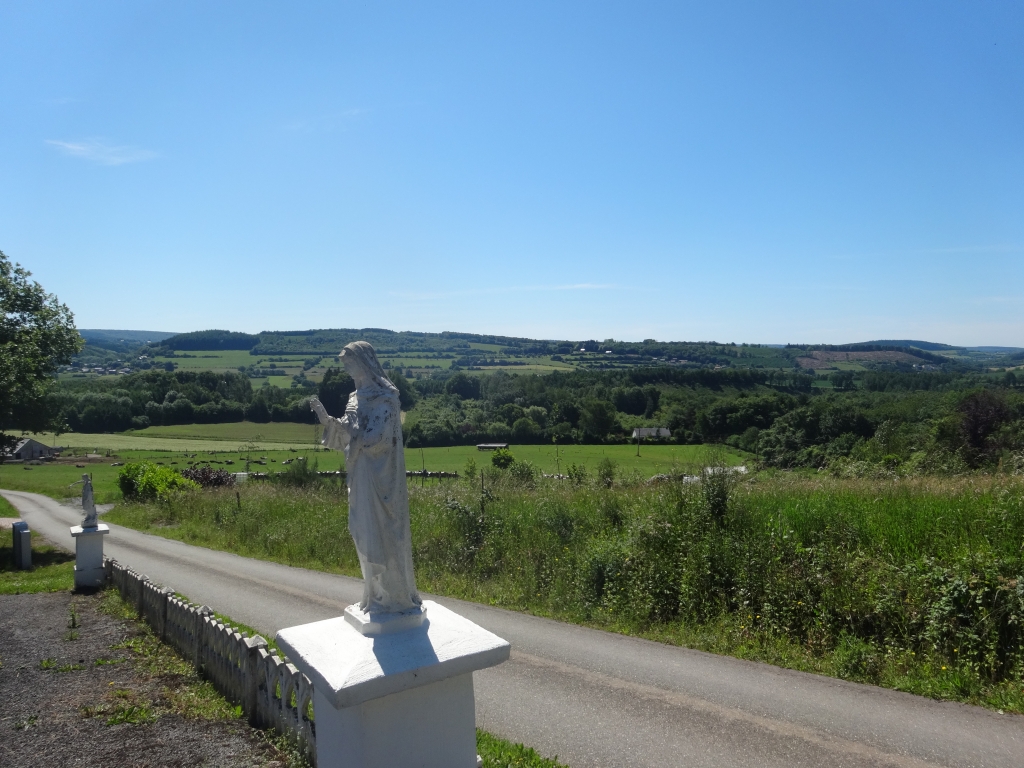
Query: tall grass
{"points": [[914, 584]]}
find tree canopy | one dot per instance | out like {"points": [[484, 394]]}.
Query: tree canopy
{"points": [[37, 334]]}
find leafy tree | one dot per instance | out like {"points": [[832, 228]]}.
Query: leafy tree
{"points": [[334, 391], [525, 430], [37, 333], [406, 397], [465, 387], [598, 418]]}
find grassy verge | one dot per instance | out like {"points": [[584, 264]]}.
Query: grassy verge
{"points": [[914, 585], [6, 510], [53, 570]]}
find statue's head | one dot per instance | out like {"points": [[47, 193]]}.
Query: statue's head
{"points": [[85, 478], [362, 365]]}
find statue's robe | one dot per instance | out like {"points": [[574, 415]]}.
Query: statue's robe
{"points": [[88, 506], [370, 434]]}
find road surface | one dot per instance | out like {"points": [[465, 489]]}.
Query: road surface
{"points": [[595, 698]]}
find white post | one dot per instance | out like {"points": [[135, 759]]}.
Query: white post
{"points": [[89, 570]]}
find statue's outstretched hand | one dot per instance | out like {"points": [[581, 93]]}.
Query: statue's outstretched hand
{"points": [[318, 408]]}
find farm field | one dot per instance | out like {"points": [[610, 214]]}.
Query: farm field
{"points": [[87, 442], [55, 480], [653, 459], [272, 432]]}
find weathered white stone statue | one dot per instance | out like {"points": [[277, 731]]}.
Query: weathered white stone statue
{"points": [[88, 504], [370, 434], [393, 677], [89, 570]]}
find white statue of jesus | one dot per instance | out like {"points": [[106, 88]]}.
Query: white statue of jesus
{"points": [[370, 434], [88, 503]]}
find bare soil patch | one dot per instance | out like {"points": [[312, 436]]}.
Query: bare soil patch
{"points": [[81, 687]]}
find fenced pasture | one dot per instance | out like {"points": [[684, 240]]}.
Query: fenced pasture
{"points": [[654, 458], [277, 442]]}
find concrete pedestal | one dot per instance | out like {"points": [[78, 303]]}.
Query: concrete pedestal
{"points": [[89, 570], [398, 698]]}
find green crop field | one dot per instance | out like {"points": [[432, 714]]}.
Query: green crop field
{"points": [[239, 431], [83, 442]]}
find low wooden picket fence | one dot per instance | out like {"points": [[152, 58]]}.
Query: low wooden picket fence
{"points": [[271, 692]]}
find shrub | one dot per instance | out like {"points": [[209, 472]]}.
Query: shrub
{"points": [[577, 474], [299, 474], [522, 473], [606, 472], [503, 458], [208, 477], [145, 481]]}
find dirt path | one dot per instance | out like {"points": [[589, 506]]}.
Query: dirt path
{"points": [[82, 687]]}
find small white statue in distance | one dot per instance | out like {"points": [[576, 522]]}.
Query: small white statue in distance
{"points": [[370, 434], [88, 503]]}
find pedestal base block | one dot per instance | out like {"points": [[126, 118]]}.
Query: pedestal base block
{"points": [[432, 726], [89, 571], [395, 699]]}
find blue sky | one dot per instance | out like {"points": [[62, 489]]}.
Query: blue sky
{"points": [[764, 172]]}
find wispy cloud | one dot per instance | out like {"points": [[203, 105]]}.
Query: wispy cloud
{"points": [[429, 296], [98, 151]]}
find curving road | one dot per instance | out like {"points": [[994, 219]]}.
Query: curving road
{"points": [[598, 699]]}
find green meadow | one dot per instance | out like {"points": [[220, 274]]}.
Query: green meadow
{"points": [[176, 446], [913, 585]]}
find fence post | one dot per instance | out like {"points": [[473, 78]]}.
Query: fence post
{"points": [[251, 679], [198, 615], [165, 596]]}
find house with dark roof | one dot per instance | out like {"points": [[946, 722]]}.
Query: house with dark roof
{"points": [[28, 449]]}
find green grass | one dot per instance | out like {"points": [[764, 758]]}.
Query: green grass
{"points": [[135, 442], [654, 459], [55, 480], [500, 753], [6, 510], [52, 569], [914, 585], [239, 432]]}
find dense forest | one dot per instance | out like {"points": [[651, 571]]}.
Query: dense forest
{"points": [[923, 421]]}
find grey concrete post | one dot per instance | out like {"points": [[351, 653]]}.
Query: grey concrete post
{"points": [[250, 692], [22, 545]]}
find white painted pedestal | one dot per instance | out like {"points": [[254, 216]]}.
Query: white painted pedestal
{"points": [[399, 698], [89, 555]]}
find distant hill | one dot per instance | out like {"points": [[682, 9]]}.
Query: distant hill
{"points": [[96, 336], [997, 350], [930, 346]]}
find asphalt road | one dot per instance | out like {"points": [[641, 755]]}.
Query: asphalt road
{"points": [[599, 699]]}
